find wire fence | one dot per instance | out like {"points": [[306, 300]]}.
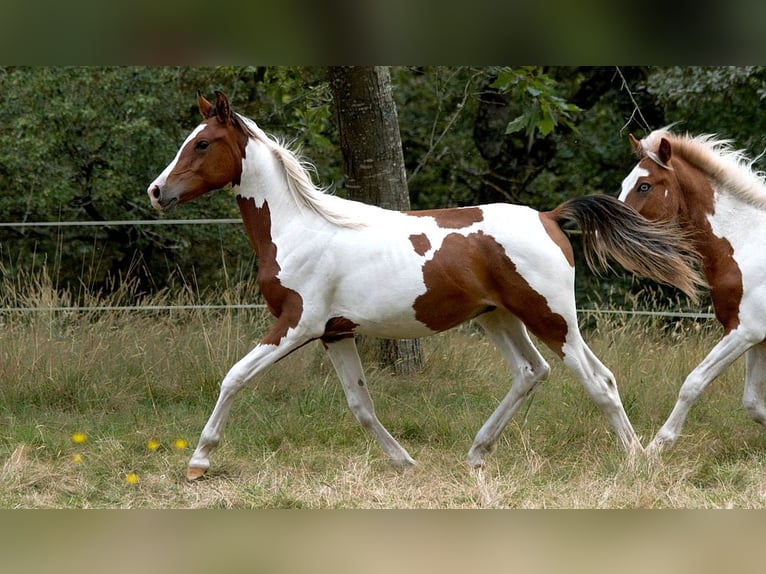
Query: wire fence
{"points": [[118, 222], [107, 308], [633, 312], [244, 307], [238, 307]]}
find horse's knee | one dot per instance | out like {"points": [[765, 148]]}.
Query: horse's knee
{"points": [[363, 413], [365, 418], [690, 390]]}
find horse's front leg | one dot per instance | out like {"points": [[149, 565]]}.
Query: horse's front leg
{"points": [[755, 383], [728, 349], [256, 361]]}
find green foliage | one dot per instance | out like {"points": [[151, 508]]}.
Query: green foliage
{"points": [[82, 143], [437, 108], [544, 110], [723, 100]]}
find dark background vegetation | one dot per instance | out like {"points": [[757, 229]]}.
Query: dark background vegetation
{"points": [[82, 144]]}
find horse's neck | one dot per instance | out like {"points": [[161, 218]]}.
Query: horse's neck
{"points": [[262, 197], [725, 211]]}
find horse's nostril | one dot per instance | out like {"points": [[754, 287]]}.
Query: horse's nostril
{"points": [[156, 192]]}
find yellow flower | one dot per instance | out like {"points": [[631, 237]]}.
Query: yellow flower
{"points": [[79, 437], [153, 444], [77, 458], [132, 478], [180, 444]]}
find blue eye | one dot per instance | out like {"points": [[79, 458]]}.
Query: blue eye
{"points": [[644, 187]]}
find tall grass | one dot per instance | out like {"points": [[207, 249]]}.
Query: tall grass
{"points": [[125, 378]]}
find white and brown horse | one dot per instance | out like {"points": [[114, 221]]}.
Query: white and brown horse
{"points": [[713, 193], [330, 268]]}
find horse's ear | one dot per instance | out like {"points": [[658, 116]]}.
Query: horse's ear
{"points": [[663, 152], [636, 145], [204, 106], [222, 109]]}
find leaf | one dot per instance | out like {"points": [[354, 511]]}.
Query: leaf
{"points": [[517, 124], [505, 79], [546, 124]]}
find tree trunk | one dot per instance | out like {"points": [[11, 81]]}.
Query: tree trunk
{"points": [[373, 164]]}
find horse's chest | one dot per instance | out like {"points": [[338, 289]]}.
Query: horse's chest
{"points": [[733, 259]]}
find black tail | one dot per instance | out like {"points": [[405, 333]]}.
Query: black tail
{"points": [[611, 228]]}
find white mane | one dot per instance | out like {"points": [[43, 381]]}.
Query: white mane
{"points": [[298, 176], [729, 167]]}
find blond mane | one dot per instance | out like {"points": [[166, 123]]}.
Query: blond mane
{"points": [[298, 172], [729, 167]]}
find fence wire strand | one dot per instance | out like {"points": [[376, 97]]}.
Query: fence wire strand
{"points": [[117, 222], [214, 307], [245, 306]]}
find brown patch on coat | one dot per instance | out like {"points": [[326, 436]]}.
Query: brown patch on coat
{"points": [[452, 218], [283, 302], [690, 200], [721, 270], [338, 328], [470, 275], [420, 243], [553, 229]]}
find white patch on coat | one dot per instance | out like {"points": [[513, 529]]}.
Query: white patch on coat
{"points": [[743, 225], [630, 181], [163, 177]]}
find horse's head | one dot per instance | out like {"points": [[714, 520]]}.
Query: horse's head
{"points": [[210, 158], [652, 188]]}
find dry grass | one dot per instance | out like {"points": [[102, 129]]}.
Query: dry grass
{"points": [[124, 379]]}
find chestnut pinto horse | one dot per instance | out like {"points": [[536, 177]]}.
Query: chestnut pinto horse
{"points": [[330, 268], [712, 192]]}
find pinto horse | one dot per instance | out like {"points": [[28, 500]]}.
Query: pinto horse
{"points": [[712, 192], [330, 268]]}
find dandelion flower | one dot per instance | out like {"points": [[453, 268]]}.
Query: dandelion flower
{"points": [[153, 444], [79, 437], [180, 444], [132, 478], [77, 458]]}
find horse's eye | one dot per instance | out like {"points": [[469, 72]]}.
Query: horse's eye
{"points": [[644, 187], [202, 145]]}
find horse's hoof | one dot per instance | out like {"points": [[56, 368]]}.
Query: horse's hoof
{"points": [[475, 458], [194, 473]]}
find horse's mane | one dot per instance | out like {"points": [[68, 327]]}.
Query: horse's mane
{"points": [[716, 157], [298, 176]]}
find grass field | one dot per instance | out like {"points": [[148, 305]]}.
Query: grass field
{"points": [[102, 410]]}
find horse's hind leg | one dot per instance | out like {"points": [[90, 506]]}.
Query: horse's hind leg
{"points": [[345, 359], [599, 383], [528, 366]]}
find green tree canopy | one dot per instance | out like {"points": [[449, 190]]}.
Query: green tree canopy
{"points": [[82, 143]]}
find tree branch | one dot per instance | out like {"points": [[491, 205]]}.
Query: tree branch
{"points": [[636, 109], [433, 143]]}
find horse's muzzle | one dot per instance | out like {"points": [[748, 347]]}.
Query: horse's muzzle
{"points": [[159, 200]]}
